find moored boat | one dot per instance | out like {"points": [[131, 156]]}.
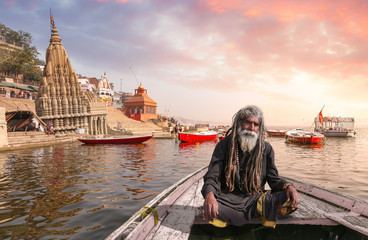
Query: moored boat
{"points": [[334, 126], [174, 213], [222, 133], [303, 137], [337, 133], [191, 145], [197, 137], [122, 140], [276, 133]]}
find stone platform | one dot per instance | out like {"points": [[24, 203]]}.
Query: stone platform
{"points": [[115, 118], [18, 140]]}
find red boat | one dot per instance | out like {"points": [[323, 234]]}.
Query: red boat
{"points": [[191, 145], [303, 137], [134, 139], [276, 133], [197, 137]]}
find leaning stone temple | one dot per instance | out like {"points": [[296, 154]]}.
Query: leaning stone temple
{"points": [[61, 100]]}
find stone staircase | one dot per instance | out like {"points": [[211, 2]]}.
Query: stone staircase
{"points": [[120, 123], [33, 139], [135, 129], [141, 128]]}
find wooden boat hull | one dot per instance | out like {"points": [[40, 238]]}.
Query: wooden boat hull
{"points": [[197, 137], [191, 145], [276, 133], [173, 212], [305, 140], [339, 133], [303, 137], [172, 199], [124, 140]]}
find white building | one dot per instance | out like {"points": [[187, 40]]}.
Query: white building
{"points": [[104, 90], [86, 85]]}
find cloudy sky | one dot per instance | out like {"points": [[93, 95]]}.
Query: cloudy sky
{"points": [[205, 59]]}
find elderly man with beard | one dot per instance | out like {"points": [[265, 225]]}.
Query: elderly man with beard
{"points": [[241, 165]]}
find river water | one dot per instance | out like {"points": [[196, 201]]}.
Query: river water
{"points": [[76, 191]]}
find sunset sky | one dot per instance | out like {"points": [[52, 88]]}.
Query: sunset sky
{"points": [[205, 59]]}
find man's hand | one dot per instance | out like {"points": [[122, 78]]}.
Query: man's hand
{"points": [[210, 207], [292, 194]]}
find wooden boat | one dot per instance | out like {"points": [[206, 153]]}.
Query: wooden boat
{"points": [[337, 133], [122, 140], [197, 137], [191, 145], [276, 133], [176, 211], [303, 137], [334, 126], [221, 134]]}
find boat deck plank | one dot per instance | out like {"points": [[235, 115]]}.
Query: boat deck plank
{"points": [[181, 207], [181, 214], [351, 220], [310, 211]]}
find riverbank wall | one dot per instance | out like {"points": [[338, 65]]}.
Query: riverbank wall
{"points": [[118, 125], [3, 129]]}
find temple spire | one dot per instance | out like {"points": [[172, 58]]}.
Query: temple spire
{"points": [[61, 100], [55, 38]]}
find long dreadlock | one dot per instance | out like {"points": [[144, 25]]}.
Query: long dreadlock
{"points": [[251, 175]]}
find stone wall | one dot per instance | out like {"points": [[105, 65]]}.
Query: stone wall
{"points": [[3, 130]]}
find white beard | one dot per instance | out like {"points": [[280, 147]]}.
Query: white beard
{"points": [[247, 140]]}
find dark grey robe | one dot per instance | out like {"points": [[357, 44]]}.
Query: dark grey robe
{"points": [[239, 207]]}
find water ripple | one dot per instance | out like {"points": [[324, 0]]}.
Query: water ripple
{"points": [[77, 191]]}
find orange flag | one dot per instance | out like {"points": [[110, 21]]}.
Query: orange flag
{"points": [[320, 116]]}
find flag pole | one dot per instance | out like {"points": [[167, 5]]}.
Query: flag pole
{"points": [[50, 21], [317, 116], [322, 108]]}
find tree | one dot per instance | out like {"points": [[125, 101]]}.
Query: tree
{"points": [[23, 62]]}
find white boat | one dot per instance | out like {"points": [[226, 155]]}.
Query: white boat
{"points": [[334, 126], [303, 137], [338, 133], [177, 210]]}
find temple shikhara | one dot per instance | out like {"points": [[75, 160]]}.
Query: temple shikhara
{"points": [[140, 107], [61, 100]]}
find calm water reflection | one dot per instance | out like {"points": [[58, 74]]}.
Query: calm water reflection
{"points": [[77, 191], [84, 191]]}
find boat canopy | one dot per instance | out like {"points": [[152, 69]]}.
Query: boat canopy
{"points": [[334, 123]]}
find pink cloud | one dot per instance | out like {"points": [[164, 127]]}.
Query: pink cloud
{"points": [[118, 1], [253, 12], [10, 3], [33, 5], [221, 6], [126, 1]]}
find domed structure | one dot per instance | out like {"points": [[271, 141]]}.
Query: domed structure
{"points": [[141, 107], [61, 100]]}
